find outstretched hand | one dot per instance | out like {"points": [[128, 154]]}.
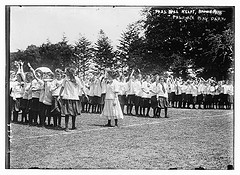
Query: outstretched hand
{"points": [[29, 65], [21, 63]]}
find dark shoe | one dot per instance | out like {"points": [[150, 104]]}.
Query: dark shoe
{"points": [[116, 122], [108, 125], [73, 128]]}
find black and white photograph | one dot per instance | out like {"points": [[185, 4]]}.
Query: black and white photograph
{"points": [[120, 87]]}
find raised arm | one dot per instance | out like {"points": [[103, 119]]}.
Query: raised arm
{"points": [[20, 70], [34, 73]]}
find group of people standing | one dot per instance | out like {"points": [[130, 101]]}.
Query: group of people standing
{"points": [[43, 97], [37, 95], [139, 95]]}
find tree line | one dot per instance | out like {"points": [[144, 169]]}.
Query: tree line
{"points": [[173, 39]]}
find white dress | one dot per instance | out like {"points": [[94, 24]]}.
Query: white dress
{"points": [[112, 108]]}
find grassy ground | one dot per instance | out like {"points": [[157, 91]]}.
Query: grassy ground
{"points": [[188, 139]]}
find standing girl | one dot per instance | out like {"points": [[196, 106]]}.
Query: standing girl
{"points": [[112, 108], [104, 87], [146, 96], [153, 90], [162, 96], [17, 92], [37, 84], [130, 93], [27, 96], [70, 98], [55, 89], [122, 92]]}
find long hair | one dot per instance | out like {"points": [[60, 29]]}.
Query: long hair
{"points": [[70, 72]]}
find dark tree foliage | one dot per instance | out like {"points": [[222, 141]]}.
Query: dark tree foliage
{"points": [[30, 55], [177, 39], [59, 55], [104, 54], [84, 53], [131, 47]]}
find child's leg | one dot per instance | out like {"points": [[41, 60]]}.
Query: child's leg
{"points": [[116, 122], [89, 106], [35, 117], [136, 110], [66, 122], [55, 119], [73, 122], [130, 109], [59, 118], [154, 112], [30, 114], [15, 116], [48, 114], [158, 112], [165, 109], [148, 109], [143, 111], [42, 114]]}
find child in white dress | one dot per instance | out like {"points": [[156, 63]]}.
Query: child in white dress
{"points": [[112, 108]]}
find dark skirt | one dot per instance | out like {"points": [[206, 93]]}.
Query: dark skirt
{"points": [[90, 99], [154, 102], [146, 102], [11, 103], [102, 101], [34, 104], [96, 100], [171, 96], [122, 99], [24, 105], [231, 100], [162, 102], [216, 99], [138, 100], [189, 98], [183, 97], [208, 99], [84, 99], [71, 107], [200, 99], [130, 99], [178, 98]]}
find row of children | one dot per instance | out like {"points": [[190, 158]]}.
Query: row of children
{"points": [[37, 96], [141, 93], [36, 93], [207, 94]]}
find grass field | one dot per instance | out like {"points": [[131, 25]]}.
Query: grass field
{"points": [[188, 139]]}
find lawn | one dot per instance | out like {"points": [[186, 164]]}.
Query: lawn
{"points": [[188, 139]]}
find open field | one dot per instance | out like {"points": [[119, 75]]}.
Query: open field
{"points": [[188, 139]]}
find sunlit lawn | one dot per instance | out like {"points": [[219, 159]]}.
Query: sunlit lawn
{"points": [[188, 139]]}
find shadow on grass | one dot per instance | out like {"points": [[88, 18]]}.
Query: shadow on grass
{"points": [[101, 125]]}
